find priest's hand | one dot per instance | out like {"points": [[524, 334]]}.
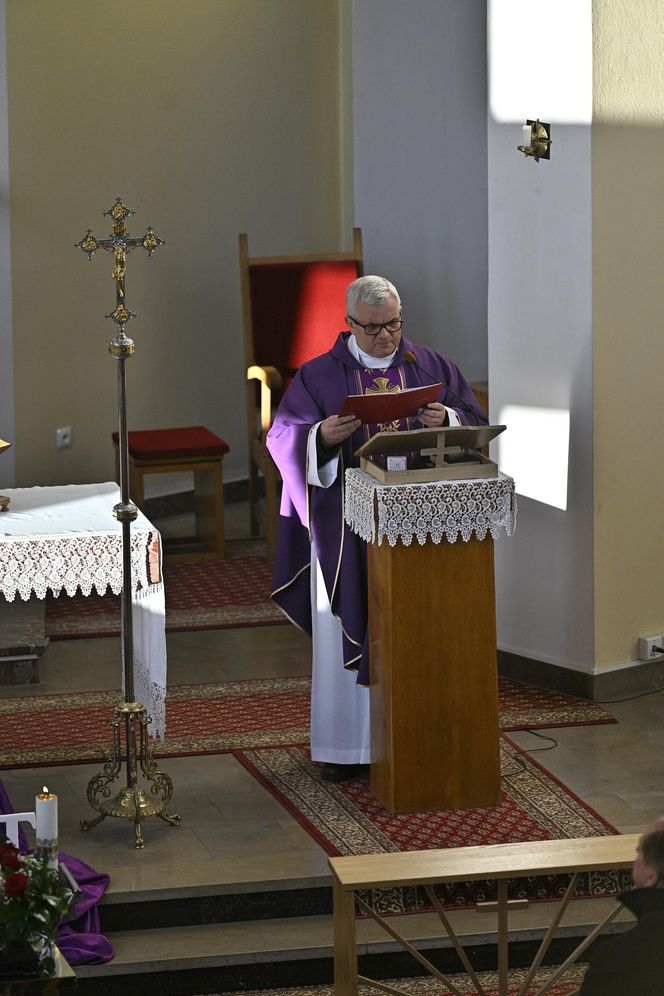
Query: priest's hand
{"points": [[433, 415], [335, 428]]}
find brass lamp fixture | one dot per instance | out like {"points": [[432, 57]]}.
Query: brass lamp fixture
{"points": [[4, 500], [537, 135]]}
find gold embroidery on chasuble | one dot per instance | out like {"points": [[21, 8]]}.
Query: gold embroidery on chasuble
{"points": [[383, 386], [370, 381]]}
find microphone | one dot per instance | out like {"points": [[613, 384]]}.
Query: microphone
{"points": [[411, 358]]}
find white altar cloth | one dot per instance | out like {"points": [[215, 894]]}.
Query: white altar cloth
{"points": [[64, 538], [429, 511]]}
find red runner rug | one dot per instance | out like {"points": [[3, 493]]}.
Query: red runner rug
{"points": [[68, 728], [217, 594], [346, 818]]}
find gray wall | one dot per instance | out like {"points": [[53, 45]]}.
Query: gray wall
{"points": [[6, 351], [419, 101], [291, 121]]}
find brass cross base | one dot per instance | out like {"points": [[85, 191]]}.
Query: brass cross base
{"points": [[131, 803]]}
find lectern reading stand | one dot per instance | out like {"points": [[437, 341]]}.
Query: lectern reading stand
{"points": [[432, 621]]}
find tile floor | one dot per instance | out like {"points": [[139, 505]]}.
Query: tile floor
{"points": [[232, 830]]}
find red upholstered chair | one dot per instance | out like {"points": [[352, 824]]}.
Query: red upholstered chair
{"points": [[191, 449], [293, 308]]}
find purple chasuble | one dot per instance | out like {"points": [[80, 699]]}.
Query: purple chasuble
{"points": [[316, 515]]}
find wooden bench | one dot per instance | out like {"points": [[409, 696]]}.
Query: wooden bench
{"points": [[497, 862]]}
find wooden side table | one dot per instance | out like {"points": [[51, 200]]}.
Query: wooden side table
{"points": [[191, 449]]}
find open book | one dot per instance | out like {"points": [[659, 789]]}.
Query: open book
{"points": [[387, 406]]}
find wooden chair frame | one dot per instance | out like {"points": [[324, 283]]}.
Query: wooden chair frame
{"points": [[271, 380]]}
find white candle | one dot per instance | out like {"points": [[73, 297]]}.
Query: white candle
{"points": [[526, 134], [46, 811]]}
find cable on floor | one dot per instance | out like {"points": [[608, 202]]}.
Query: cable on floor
{"points": [[630, 698], [525, 750]]}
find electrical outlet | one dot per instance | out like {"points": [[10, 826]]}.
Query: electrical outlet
{"points": [[63, 438], [647, 645]]}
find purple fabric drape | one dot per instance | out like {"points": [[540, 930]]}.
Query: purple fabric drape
{"points": [[79, 936]]}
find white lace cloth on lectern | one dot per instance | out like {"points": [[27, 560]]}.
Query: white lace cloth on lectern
{"points": [[57, 539], [429, 511]]}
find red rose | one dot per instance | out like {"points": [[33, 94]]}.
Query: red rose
{"points": [[9, 856], [15, 884]]}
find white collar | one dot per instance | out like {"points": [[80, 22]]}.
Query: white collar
{"points": [[372, 362]]}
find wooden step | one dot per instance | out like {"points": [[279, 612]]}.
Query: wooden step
{"points": [[236, 956]]}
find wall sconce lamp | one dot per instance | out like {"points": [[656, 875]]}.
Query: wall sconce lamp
{"points": [[536, 140]]}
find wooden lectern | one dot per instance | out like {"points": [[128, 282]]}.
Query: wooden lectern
{"points": [[432, 633]]}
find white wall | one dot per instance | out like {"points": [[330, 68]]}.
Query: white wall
{"points": [[419, 92], [540, 313], [6, 351]]}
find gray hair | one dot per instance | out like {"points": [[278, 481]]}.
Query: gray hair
{"points": [[369, 290]]}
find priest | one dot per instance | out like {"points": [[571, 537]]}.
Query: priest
{"points": [[320, 578]]}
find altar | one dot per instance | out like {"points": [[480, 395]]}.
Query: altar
{"points": [[65, 538]]}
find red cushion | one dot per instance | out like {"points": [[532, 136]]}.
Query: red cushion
{"points": [[160, 444], [297, 310]]}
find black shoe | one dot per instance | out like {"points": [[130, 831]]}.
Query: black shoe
{"points": [[338, 772]]}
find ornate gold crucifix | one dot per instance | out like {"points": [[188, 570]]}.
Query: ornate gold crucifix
{"points": [[132, 802], [120, 245]]}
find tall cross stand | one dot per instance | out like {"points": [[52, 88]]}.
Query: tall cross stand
{"points": [[132, 802]]}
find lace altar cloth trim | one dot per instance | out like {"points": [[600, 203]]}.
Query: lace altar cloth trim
{"points": [[90, 558], [35, 565], [429, 511]]}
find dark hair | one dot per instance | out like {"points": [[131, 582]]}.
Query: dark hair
{"points": [[652, 851]]}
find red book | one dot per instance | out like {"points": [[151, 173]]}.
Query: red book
{"points": [[388, 406]]}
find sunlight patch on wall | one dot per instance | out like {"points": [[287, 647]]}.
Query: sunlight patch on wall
{"points": [[529, 43], [534, 450]]}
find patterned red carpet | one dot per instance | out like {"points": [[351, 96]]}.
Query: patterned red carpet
{"points": [[430, 987], [68, 728], [219, 594], [346, 818]]}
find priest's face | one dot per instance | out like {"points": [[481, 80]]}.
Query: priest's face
{"points": [[374, 316]]}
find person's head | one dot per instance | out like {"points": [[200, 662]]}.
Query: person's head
{"points": [[373, 313], [648, 870]]}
